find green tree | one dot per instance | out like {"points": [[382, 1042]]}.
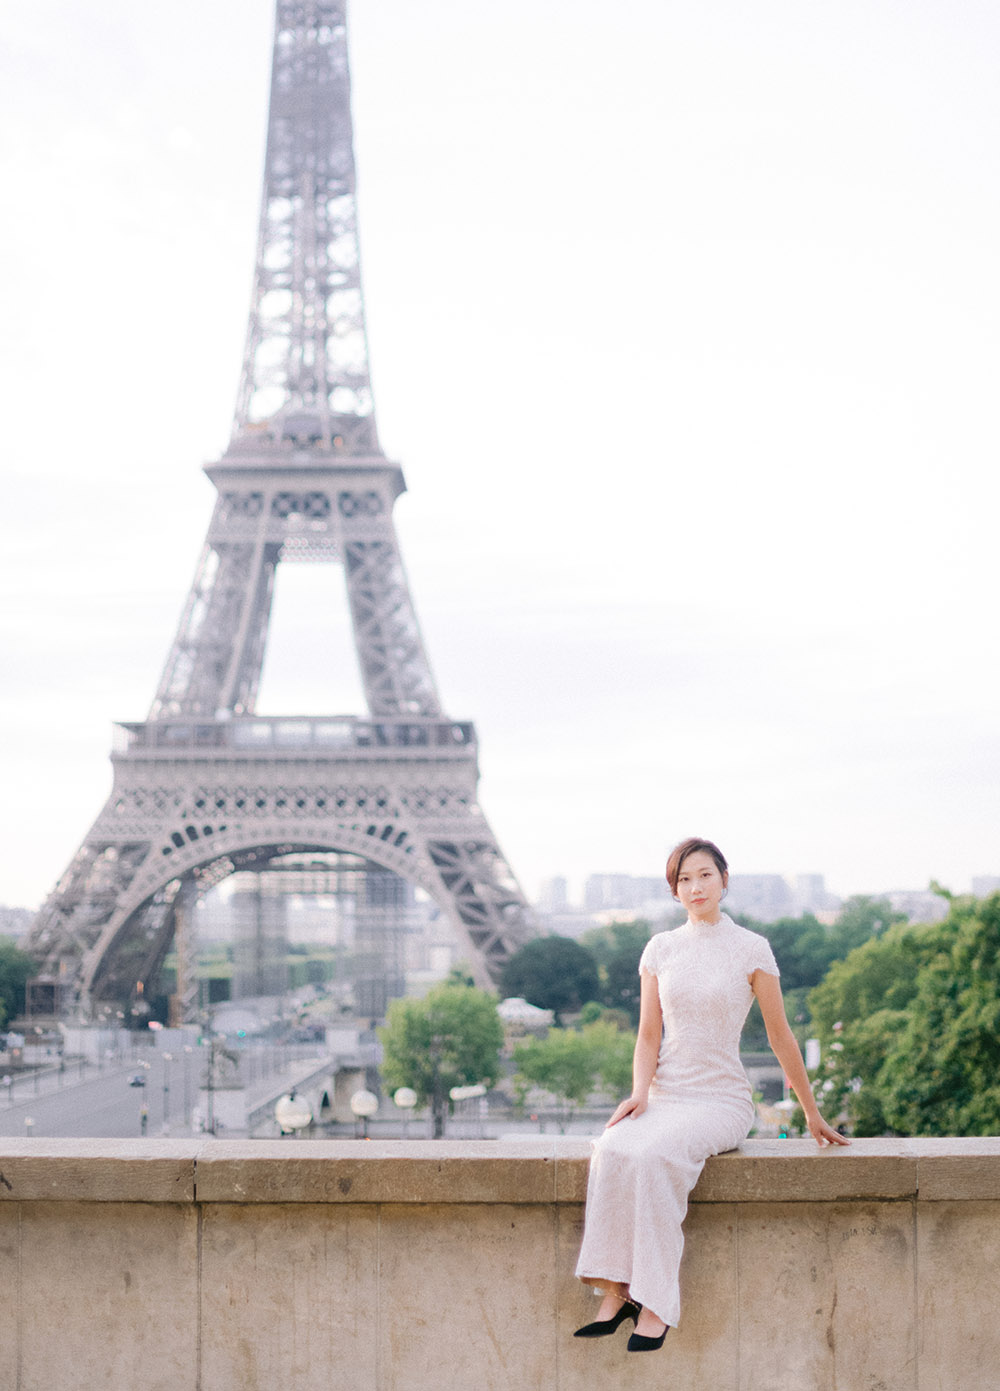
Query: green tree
{"points": [[450, 1038], [570, 1064], [593, 1010], [617, 948], [942, 1074], [16, 969], [880, 974], [562, 1064], [910, 1027], [858, 1010], [612, 1049], [861, 918], [803, 948], [552, 973]]}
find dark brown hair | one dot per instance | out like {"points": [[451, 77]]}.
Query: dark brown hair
{"points": [[691, 846]]}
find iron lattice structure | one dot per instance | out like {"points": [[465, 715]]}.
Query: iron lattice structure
{"points": [[205, 786]]}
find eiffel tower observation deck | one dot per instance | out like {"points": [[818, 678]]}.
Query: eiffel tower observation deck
{"points": [[205, 786]]}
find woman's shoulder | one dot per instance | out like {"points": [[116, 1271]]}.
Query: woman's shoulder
{"points": [[654, 951], [747, 933], [757, 947]]}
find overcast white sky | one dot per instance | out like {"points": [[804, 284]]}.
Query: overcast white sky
{"points": [[684, 326]]}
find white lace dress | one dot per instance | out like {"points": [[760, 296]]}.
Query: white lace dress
{"points": [[643, 1168]]}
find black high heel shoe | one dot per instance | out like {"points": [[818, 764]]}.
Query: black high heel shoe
{"points": [[601, 1327], [638, 1342]]}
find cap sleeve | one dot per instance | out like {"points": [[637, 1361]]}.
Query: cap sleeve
{"points": [[761, 957], [650, 958]]}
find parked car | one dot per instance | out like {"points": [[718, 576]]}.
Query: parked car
{"points": [[138, 1079]]}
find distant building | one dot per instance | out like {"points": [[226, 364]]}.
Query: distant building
{"points": [[566, 922], [604, 892], [984, 884], [14, 922], [764, 897], [812, 896], [919, 905], [554, 893]]}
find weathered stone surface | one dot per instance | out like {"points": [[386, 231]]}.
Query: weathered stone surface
{"points": [[108, 1296], [704, 1348], [480, 1313], [701, 1352], [97, 1171], [799, 1171], [950, 1170], [395, 1266], [826, 1297], [356, 1171], [10, 1293], [958, 1295], [529, 1169], [289, 1297], [572, 1168]]}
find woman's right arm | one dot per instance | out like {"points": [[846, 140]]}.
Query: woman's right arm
{"points": [[647, 1048]]}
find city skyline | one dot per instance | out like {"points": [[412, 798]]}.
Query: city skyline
{"points": [[701, 445]]}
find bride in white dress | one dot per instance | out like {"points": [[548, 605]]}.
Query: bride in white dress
{"points": [[690, 1098]]}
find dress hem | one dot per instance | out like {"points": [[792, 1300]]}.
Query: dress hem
{"points": [[644, 1304]]}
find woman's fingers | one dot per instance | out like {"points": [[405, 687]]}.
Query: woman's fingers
{"points": [[825, 1134], [630, 1107]]}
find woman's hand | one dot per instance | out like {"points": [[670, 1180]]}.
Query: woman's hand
{"points": [[631, 1106], [824, 1134]]}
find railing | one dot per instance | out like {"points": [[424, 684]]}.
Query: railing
{"points": [[404, 1266], [248, 735]]}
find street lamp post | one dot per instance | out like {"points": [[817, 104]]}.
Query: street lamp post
{"points": [[405, 1098], [167, 1060], [473, 1093], [188, 1050], [364, 1104], [292, 1113]]}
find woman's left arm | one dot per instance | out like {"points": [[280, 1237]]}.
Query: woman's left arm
{"points": [[785, 1047]]}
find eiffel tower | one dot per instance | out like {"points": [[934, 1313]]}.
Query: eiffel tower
{"points": [[205, 786]]}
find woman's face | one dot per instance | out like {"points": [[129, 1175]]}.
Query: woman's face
{"points": [[700, 886]]}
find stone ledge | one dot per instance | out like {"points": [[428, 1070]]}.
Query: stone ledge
{"points": [[98, 1171], [375, 1171], [526, 1170]]}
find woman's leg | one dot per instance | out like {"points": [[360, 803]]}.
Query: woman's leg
{"points": [[641, 1173], [615, 1295]]}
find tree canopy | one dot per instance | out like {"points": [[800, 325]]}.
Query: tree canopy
{"points": [[910, 1027], [805, 948], [16, 969], [553, 973], [617, 949], [450, 1038], [570, 1064]]}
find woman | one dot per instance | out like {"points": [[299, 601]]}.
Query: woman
{"points": [[690, 1098]]}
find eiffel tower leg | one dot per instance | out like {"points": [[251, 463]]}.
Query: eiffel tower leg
{"points": [[175, 827], [186, 995]]}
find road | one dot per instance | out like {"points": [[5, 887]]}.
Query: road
{"points": [[102, 1104]]}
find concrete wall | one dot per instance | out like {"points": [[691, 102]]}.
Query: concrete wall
{"points": [[182, 1265]]}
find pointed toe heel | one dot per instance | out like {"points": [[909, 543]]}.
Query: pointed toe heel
{"points": [[638, 1342], [600, 1328]]}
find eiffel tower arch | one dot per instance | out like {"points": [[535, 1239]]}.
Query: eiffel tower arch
{"points": [[205, 786]]}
